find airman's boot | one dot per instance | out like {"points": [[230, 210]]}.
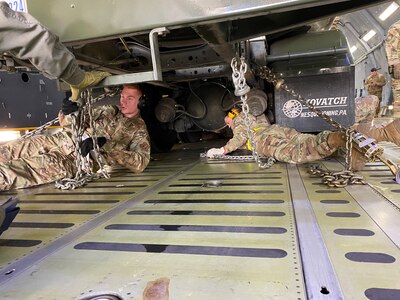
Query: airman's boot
{"points": [[338, 139], [389, 133], [91, 79]]}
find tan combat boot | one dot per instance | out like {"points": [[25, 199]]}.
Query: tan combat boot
{"points": [[91, 79], [338, 139]]}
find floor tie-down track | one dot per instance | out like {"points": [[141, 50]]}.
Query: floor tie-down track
{"points": [[218, 230]]}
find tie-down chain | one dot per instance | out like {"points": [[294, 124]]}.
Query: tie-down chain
{"points": [[363, 144], [84, 165]]}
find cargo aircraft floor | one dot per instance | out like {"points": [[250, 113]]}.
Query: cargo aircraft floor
{"points": [[213, 230]]}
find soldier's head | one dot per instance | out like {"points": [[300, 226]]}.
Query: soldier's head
{"points": [[232, 114], [129, 100], [374, 71]]}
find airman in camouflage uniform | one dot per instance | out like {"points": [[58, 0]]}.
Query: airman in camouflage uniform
{"points": [[288, 145], [393, 55], [365, 111], [374, 84], [39, 159], [283, 144], [43, 159]]}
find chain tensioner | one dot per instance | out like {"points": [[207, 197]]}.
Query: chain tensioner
{"points": [[367, 146]]}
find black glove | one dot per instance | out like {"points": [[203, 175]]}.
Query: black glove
{"points": [[87, 145], [68, 107]]}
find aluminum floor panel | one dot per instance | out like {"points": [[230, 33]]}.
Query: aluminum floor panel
{"points": [[48, 214], [365, 259], [217, 230]]}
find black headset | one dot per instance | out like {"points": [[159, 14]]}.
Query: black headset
{"points": [[142, 102]]}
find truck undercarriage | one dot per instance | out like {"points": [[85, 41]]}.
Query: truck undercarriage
{"points": [[184, 55]]}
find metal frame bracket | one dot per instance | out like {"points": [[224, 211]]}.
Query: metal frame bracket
{"points": [[154, 75]]}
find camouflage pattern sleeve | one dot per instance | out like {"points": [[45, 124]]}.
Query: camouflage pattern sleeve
{"points": [[102, 115], [97, 113], [239, 133], [393, 44], [374, 84], [367, 82], [25, 38], [64, 120], [128, 142], [137, 157]]}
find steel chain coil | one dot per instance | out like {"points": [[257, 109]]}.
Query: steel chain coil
{"points": [[337, 179], [241, 89], [84, 165]]}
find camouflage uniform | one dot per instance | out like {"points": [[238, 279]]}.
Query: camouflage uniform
{"points": [[374, 84], [284, 144], [43, 159], [393, 56], [25, 38]]}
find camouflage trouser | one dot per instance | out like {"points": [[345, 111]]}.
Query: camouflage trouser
{"points": [[25, 38], [36, 160], [379, 95], [289, 145]]}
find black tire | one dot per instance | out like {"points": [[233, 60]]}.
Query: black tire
{"points": [[162, 139], [190, 136]]}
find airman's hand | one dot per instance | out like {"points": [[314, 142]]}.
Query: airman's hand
{"points": [[68, 107], [215, 151], [87, 145]]}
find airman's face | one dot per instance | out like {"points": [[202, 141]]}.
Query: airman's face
{"points": [[129, 101], [228, 121]]}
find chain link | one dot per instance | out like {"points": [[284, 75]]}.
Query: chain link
{"points": [[84, 165], [349, 148], [340, 178], [336, 179], [40, 129], [365, 145], [279, 83], [269, 161], [241, 89], [333, 179]]}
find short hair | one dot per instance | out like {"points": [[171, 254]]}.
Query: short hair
{"points": [[374, 69], [133, 86]]}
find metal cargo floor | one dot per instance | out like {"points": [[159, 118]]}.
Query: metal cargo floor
{"points": [[220, 230]]}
